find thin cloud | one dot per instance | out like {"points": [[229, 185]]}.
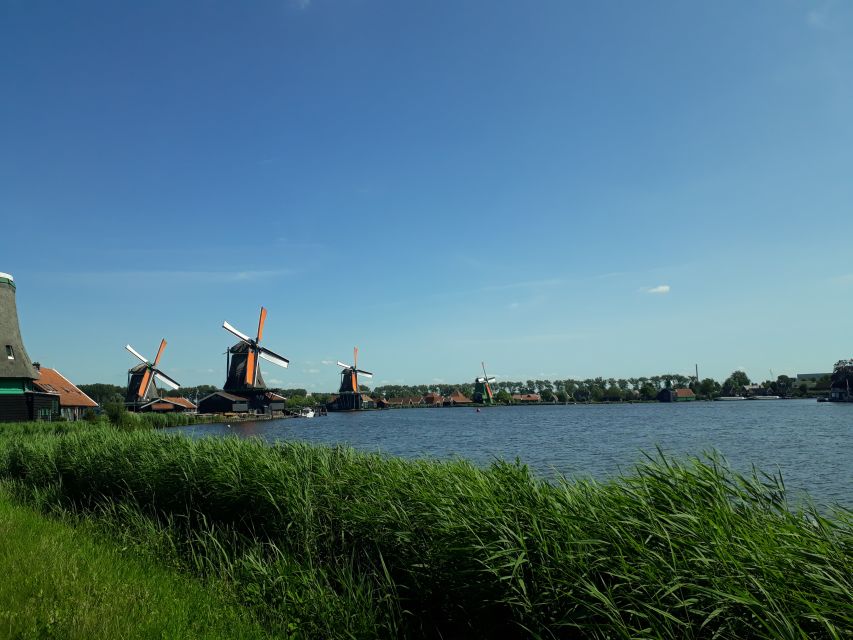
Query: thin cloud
{"points": [[817, 19], [661, 289], [161, 277]]}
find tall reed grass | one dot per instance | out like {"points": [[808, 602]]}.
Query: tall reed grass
{"points": [[347, 544]]}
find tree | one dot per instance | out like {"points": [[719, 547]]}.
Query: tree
{"points": [[503, 397], [547, 395], [708, 387], [784, 385], [562, 396], [735, 383], [648, 391]]}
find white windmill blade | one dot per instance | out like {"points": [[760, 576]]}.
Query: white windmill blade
{"points": [[239, 334], [492, 379], [162, 377], [345, 366], [366, 374], [135, 352], [480, 380], [269, 356]]}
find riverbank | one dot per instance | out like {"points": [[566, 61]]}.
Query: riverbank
{"points": [[343, 544], [62, 581]]}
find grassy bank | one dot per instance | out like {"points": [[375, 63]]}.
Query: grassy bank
{"points": [[336, 543], [60, 582]]}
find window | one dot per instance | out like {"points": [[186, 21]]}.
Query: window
{"points": [[10, 355]]}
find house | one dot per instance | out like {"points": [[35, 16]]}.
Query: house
{"points": [[223, 402], [526, 397], [398, 402], [676, 395], [433, 400], [456, 398], [169, 405], [274, 402], [73, 403]]}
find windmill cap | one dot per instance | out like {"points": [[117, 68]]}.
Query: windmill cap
{"points": [[7, 276]]}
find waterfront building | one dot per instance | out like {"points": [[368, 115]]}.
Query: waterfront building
{"points": [[73, 403], [676, 395]]}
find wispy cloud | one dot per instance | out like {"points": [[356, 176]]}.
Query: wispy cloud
{"points": [[527, 284], [661, 289], [166, 277], [845, 279], [818, 19]]}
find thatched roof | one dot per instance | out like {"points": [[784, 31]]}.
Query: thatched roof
{"points": [[16, 364]]}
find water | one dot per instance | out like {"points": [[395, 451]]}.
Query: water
{"points": [[809, 442]]}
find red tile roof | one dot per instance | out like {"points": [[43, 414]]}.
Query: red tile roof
{"points": [[184, 402], [52, 381], [527, 397], [458, 398], [684, 393]]}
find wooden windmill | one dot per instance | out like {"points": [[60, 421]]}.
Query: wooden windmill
{"points": [[483, 388], [16, 370], [244, 371], [349, 397], [142, 379]]}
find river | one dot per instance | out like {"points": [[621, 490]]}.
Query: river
{"points": [[808, 442]]}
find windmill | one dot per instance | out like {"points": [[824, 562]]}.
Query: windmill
{"points": [[16, 369], [350, 398], [483, 389], [142, 379], [244, 371]]}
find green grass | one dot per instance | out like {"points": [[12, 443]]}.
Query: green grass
{"points": [[337, 543], [60, 582]]}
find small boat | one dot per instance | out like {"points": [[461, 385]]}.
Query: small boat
{"points": [[306, 412], [765, 397], [728, 398]]}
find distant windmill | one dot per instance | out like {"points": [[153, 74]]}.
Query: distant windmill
{"points": [[349, 375], [141, 385], [483, 389], [244, 371]]}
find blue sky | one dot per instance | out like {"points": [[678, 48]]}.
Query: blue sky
{"points": [[561, 189]]}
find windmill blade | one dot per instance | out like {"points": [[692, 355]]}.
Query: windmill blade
{"points": [[250, 368], [492, 379], [162, 377], [345, 366], [270, 356], [239, 334], [160, 351], [480, 380], [261, 320], [366, 374], [135, 352], [355, 357], [144, 383]]}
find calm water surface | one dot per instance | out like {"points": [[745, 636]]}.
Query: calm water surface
{"points": [[809, 442]]}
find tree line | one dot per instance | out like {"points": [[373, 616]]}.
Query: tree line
{"points": [[569, 390]]}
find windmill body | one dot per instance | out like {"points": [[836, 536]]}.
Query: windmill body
{"points": [[350, 397], [483, 389], [18, 400]]}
